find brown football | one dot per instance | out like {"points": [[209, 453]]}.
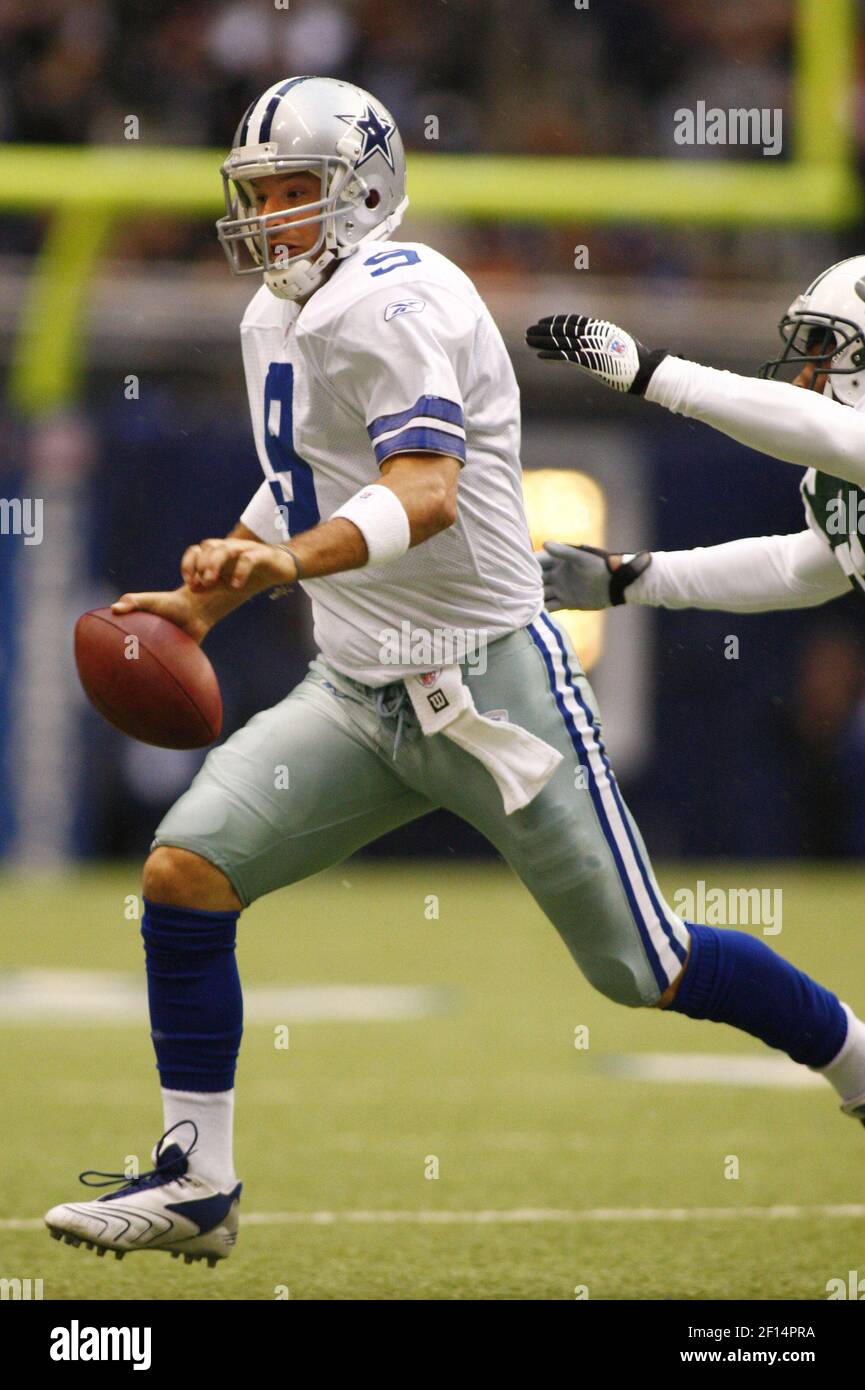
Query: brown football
{"points": [[147, 677]]}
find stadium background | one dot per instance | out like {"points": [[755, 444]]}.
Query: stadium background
{"points": [[124, 408], [754, 756]]}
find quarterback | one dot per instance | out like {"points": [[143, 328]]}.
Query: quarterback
{"points": [[386, 416]]}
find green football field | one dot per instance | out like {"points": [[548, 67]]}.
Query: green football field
{"points": [[414, 1118]]}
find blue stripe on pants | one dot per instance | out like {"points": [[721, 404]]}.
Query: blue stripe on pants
{"points": [[663, 974]]}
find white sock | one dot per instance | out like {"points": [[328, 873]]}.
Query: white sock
{"points": [[213, 1113], [846, 1072]]}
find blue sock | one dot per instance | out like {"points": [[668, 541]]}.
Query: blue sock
{"points": [[734, 978], [193, 988]]}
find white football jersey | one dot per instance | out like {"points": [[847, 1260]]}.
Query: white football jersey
{"points": [[396, 353]]}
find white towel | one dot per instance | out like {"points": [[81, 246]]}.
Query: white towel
{"points": [[520, 762]]}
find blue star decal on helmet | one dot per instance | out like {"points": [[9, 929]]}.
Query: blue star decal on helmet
{"points": [[376, 134]]}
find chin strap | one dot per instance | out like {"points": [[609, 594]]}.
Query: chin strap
{"points": [[305, 276], [385, 228], [299, 279]]}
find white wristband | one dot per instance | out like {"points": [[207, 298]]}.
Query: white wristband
{"points": [[382, 521]]}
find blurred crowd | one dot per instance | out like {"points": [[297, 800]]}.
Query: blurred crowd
{"points": [[501, 75]]}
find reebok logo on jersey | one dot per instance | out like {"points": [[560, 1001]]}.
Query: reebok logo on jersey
{"points": [[404, 306]]}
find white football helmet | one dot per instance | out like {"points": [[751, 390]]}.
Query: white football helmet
{"points": [[833, 304], [346, 137]]}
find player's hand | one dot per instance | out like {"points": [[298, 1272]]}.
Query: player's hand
{"points": [[239, 564], [582, 576], [606, 352], [179, 606]]}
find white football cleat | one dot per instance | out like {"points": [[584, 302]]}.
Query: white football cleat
{"points": [[168, 1208]]}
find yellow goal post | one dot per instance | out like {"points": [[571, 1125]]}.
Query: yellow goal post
{"points": [[85, 191]]}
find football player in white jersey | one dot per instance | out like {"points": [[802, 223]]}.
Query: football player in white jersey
{"points": [[820, 427], [386, 416]]}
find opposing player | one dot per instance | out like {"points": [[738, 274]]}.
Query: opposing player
{"points": [[821, 427], [386, 415]]}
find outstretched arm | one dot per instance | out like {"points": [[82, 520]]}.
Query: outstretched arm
{"points": [[779, 419], [784, 421], [754, 575]]}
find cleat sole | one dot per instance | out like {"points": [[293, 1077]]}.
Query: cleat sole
{"points": [[103, 1250], [194, 1249]]}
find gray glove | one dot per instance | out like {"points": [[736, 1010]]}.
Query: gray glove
{"points": [[582, 576]]}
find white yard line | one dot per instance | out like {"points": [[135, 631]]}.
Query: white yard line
{"points": [[521, 1216], [551, 1216], [88, 997], [709, 1068]]}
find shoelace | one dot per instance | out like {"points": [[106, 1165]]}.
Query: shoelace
{"points": [[171, 1168], [390, 701]]}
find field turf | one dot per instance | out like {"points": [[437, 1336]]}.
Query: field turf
{"points": [[556, 1170]]}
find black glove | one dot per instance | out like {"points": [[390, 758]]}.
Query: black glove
{"points": [[606, 352]]}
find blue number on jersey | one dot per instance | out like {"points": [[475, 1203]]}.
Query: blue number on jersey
{"points": [[297, 498], [405, 256]]}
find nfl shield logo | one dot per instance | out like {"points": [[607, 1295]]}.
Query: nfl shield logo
{"points": [[428, 678]]}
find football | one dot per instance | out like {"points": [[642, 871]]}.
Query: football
{"points": [[148, 678]]}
